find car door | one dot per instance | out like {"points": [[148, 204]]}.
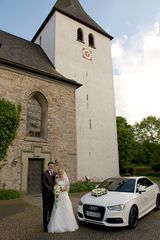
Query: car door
{"points": [[151, 193], [146, 196], [141, 196]]}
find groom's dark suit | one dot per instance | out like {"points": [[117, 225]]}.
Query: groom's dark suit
{"points": [[48, 183]]}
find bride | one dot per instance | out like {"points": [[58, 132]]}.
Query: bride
{"points": [[62, 217]]}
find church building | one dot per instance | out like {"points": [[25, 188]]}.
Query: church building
{"points": [[63, 80]]}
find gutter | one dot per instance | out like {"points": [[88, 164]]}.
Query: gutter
{"points": [[39, 72]]}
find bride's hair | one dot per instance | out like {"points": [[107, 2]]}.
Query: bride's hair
{"points": [[66, 179]]}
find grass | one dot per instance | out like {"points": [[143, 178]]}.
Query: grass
{"points": [[155, 179], [82, 187]]}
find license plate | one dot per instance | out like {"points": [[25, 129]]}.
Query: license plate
{"points": [[93, 214]]}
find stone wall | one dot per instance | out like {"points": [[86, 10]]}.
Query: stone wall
{"points": [[60, 141]]}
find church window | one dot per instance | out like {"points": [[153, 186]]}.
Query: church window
{"points": [[91, 40], [80, 35], [37, 116]]}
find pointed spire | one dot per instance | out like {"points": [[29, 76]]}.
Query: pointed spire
{"points": [[64, 3], [74, 10]]}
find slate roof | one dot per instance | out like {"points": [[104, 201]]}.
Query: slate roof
{"points": [[74, 10], [24, 54]]}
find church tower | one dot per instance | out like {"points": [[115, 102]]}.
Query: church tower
{"points": [[80, 50]]}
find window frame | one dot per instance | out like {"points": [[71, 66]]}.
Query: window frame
{"points": [[80, 35], [91, 40], [44, 115]]}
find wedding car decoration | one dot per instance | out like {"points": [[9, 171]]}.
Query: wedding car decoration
{"points": [[98, 192]]}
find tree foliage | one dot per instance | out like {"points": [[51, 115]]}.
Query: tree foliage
{"points": [[140, 143], [9, 122], [148, 130], [126, 143]]}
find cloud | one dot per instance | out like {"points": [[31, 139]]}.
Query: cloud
{"points": [[136, 73]]}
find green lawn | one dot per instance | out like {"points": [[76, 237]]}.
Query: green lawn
{"points": [[155, 179]]}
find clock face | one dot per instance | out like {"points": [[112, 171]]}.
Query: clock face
{"points": [[87, 54]]}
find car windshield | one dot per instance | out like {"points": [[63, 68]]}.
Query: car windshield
{"points": [[119, 185]]}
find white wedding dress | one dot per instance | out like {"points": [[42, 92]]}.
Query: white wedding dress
{"points": [[62, 217]]}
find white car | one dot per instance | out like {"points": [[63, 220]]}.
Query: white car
{"points": [[119, 201]]}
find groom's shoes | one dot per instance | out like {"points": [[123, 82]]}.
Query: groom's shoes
{"points": [[45, 229]]}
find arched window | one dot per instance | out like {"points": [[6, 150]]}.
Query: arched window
{"points": [[91, 40], [37, 116], [80, 34]]}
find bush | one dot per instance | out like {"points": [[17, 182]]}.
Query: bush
{"points": [[9, 123], [127, 169], [9, 194], [81, 187], [156, 166]]}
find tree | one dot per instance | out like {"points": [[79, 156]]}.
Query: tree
{"points": [[147, 134], [148, 130], [140, 143], [126, 143]]}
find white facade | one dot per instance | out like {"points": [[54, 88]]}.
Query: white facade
{"points": [[97, 152]]}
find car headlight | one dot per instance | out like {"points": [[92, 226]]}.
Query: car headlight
{"points": [[116, 207], [80, 203]]}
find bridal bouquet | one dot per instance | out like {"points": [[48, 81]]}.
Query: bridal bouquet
{"points": [[57, 191], [98, 192]]}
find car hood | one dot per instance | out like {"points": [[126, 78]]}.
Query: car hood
{"points": [[109, 199]]}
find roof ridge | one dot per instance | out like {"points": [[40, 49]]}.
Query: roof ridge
{"points": [[74, 10]]}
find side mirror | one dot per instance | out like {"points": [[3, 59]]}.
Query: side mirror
{"points": [[141, 189]]}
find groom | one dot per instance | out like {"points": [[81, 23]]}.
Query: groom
{"points": [[48, 182]]}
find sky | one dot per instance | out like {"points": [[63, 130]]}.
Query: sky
{"points": [[135, 26]]}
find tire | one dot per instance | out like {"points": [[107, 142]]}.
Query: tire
{"points": [[158, 202], [133, 217]]}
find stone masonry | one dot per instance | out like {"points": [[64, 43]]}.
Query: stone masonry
{"points": [[60, 140]]}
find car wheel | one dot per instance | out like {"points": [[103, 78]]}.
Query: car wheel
{"points": [[158, 202], [133, 217]]}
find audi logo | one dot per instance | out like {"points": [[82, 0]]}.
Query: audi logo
{"points": [[93, 208]]}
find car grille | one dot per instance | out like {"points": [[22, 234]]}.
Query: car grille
{"points": [[93, 212]]}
